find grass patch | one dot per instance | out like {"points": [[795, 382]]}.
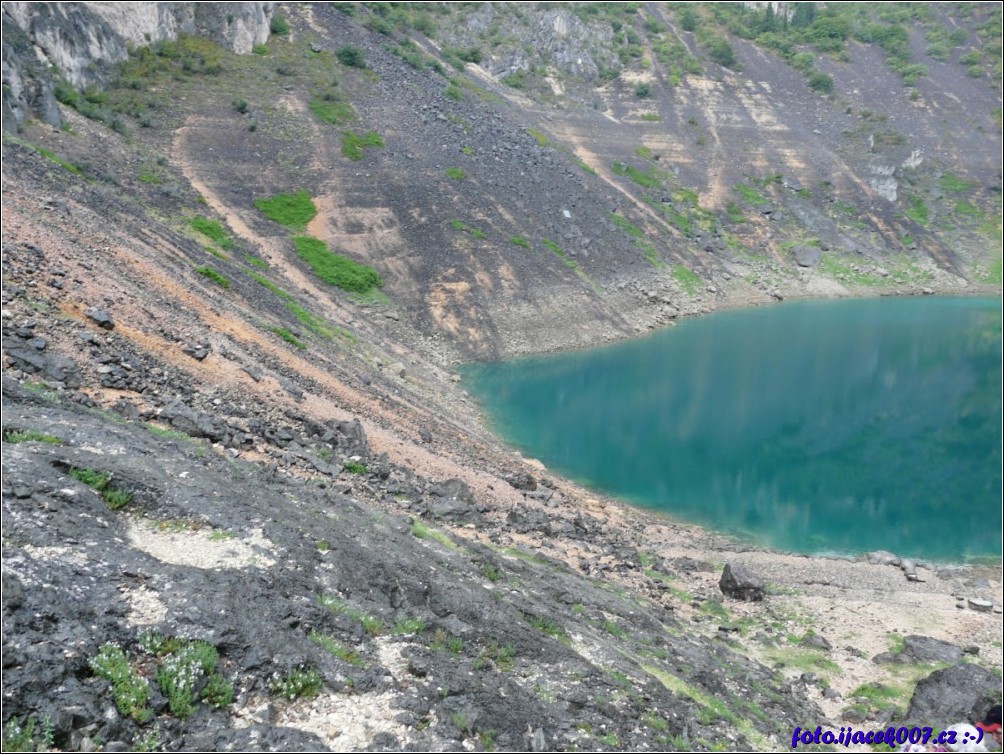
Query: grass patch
{"points": [[24, 736], [548, 627], [690, 282], [212, 230], [552, 247], [333, 111], [209, 272], [287, 336], [446, 642], [651, 117], [47, 154], [354, 467], [16, 436], [256, 262], [336, 269], [917, 211], [337, 649], [408, 626], [421, 531], [167, 434], [353, 144], [101, 483], [624, 224], [519, 241], [457, 174], [749, 194], [584, 167], [291, 210], [465, 228], [644, 178], [542, 139], [370, 624], [952, 184]]}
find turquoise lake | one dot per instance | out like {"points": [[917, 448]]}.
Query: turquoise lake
{"points": [[816, 426]]}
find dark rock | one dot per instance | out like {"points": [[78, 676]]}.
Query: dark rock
{"points": [[961, 692], [53, 366], [806, 256], [740, 583], [926, 649], [815, 641], [521, 481], [424, 435], [101, 318]]}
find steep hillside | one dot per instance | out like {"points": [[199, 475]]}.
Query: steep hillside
{"points": [[241, 256]]}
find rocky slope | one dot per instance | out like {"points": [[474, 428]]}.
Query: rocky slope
{"points": [[205, 441]]}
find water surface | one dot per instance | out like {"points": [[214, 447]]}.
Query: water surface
{"points": [[822, 426]]}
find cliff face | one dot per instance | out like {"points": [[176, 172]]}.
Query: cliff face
{"points": [[80, 42]]}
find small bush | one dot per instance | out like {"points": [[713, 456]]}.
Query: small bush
{"points": [[354, 467], [301, 682], [456, 174], [353, 144], [101, 483], [454, 92], [241, 105], [213, 275], [24, 736], [130, 690], [642, 89], [336, 269], [260, 50], [292, 210], [821, 82], [350, 56], [279, 25]]}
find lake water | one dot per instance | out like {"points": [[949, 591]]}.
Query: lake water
{"points": [[819, 426]]}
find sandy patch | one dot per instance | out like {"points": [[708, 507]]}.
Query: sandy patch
{"points": [[199, 549]]}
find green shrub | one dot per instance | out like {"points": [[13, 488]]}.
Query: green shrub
{"points": [[300, 682], [520, 241], [279, 25], [350, 56], [644, 178], [354, 467], [24, 736], [821, 82], [130, 690], [260, 49], [690, 282], [241, 105], [336, 269], [642, 89], [454, 92], [213, 275], [456, 174], [292, 210], [353, 144]]}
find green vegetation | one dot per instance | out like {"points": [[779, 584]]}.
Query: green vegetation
{"points": [[101, 483], [408, 627], [644, 178], [130, 690], [456, 174], [642, 90], [749, 194], [370, 624], [47, 154], [336, 269], [453, 92], [180, 670], [354, 467], [465, 228], [541, 138], [353, 144], [292, 210], [952, 184], [491, 572], [624, 224], [25, 736], [15, 436], [917, 211], [329, 109], [546, 626], [421, 531], [279, 25], [335, 648], [552, 247], [690, 282], [289, 337], [299, 683], [651, 117], [212, 230], [445, 642], [213, 275], [350, 56], [316, 324], [519, 241]]}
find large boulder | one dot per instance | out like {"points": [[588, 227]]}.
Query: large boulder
{"points": [[740, 583], [961, 692]]}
